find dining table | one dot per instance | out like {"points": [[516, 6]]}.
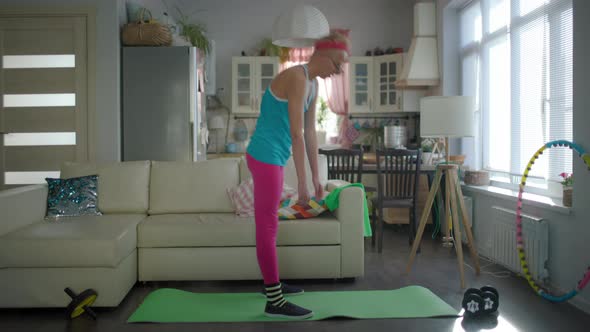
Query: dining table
{"points": [[370, 167]]}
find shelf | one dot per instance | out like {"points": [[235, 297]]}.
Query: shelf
{"points": [[399, 114], [224, 155], [245, 115]]}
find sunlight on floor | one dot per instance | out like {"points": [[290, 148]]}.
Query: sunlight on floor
{"points": [[484, 323]]}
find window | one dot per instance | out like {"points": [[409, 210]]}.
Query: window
{"points": [[516, 59], [331, 120]]}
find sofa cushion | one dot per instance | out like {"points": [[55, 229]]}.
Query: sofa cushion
{"points": [[227, 230], [192, 187], [291, 173], [88, 241], [122, 186]]}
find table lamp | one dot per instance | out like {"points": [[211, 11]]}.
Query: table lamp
{"points": [[443, 116], [447, 116]]}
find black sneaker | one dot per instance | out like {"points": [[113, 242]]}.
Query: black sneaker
{"points": [[287, 310], [287, 290]]}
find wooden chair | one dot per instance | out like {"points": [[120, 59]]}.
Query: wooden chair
{"points": [[398, 172], [344, 164]]}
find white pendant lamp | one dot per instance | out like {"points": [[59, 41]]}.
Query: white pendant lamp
{"points": [[300, 26]]}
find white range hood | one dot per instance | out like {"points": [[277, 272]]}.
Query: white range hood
{"points": [[420, 67]]}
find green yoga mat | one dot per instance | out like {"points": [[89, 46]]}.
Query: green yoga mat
{"points": [[172, 305]]}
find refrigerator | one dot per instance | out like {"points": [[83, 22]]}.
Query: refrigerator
{"points": [[163, 110]]}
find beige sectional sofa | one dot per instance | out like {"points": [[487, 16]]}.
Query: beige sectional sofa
{"points": [[161, 221]]}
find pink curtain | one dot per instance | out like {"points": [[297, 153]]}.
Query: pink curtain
{"points": [[337, 94], [300, 55], [297, 56]]}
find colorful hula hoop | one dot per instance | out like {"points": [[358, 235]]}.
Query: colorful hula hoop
{"points": [[519, 240]]}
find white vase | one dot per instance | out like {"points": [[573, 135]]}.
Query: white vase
{"points": [[321, 135], [427, 158]]}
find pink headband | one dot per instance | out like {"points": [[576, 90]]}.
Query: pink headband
{"points": [[330, 44]]}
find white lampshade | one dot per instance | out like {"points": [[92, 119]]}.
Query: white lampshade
{"points": [[216, 122], [443, 116], [300, 26]]}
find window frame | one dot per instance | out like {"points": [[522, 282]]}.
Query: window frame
{"points": [[500, 178]]}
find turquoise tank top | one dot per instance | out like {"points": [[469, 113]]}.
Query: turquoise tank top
{"points": [[271, 141]]}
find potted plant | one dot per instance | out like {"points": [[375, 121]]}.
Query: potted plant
{"points": [[372, 138], [427, 146], [267, 48], [193, 32], [321, 118], [568, 189]]}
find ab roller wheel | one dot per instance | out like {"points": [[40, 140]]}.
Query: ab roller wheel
{"points": [[479, 302], [81, 303]]}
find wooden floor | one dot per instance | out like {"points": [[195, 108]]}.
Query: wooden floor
{"points": [[435, 268]]}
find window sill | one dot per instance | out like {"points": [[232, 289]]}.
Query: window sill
{"points": [[543, 202]]}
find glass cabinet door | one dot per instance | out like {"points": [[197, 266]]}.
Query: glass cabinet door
{"points": [[387, 71], [267, 69], [243, 84], [361, 84]]}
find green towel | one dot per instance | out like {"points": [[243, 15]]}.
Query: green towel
{"points": [[332, 203]]}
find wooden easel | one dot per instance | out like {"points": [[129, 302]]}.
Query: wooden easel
{"points": [[453, 190], [437, 150]]}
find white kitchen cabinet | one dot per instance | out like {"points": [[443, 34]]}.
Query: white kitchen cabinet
{"points": [[372, 88], [250, 78], [361, 84], [386, 69]]}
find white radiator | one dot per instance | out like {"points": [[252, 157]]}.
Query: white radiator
{"points": [[536, 242]]}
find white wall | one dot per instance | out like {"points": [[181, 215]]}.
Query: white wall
{"points": [[448, 40], [569, 256], [107, 126], [121, 12], [574, 245]]}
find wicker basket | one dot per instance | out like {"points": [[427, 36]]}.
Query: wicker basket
{"points": [[477, 178], [146, 32]]}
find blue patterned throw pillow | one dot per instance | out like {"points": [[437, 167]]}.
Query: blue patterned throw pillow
{"points": [[72, 197]]}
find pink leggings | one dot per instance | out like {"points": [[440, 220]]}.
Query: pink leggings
{"points": [[268, 186]]}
